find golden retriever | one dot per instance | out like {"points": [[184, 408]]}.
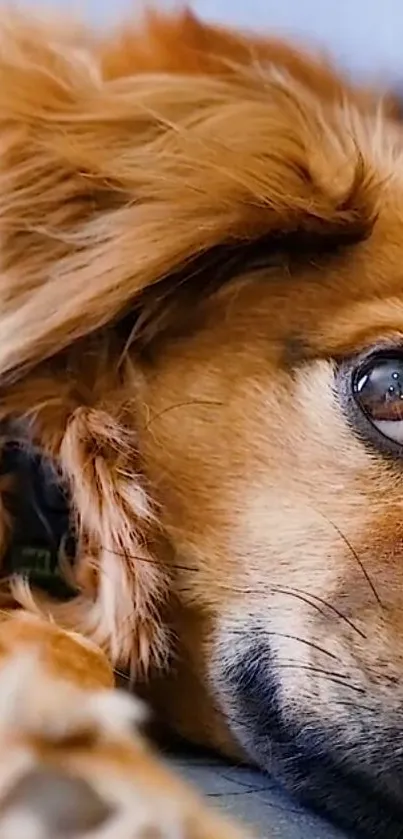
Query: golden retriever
{"points": [[201, 349]]}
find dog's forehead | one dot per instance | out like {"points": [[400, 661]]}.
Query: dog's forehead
{"points": [[330, 306], [364, 303]]}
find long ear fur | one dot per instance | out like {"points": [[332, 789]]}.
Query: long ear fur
{"points": [[117, 169], [109, 183]]}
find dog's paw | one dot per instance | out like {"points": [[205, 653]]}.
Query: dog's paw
{"points": [[73, 765]]}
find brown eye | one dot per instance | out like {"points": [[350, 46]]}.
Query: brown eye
{"points": [[378, 390]]}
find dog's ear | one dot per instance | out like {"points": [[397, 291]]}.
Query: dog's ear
{"points": [[108, 185]]}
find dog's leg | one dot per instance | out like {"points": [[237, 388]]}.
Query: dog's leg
{"points": [[72, 760]]}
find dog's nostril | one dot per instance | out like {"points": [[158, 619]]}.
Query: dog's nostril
{"points": [[58, 804]]}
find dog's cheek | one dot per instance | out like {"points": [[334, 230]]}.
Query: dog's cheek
{"points": [[330, 665], [267, 496]]}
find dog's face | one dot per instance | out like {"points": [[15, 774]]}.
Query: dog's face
{"points": [[274, 436], [273, 439], [250, 228]]}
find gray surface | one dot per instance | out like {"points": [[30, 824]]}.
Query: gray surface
{"points": [[255, 799]]}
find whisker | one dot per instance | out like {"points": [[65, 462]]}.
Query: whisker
{"points": [[244, 784], [299, 596], [354, 554], [305, 641], [150, 560], [188, 404], [336, 678], [296, 592]]}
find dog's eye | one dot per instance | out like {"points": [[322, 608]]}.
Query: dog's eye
{"points": [[378, 391]]}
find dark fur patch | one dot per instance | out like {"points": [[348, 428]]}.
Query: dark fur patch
{"points": [[170, 305], [295, 352], [357, 784]]}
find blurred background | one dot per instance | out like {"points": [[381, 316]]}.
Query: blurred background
{"points": [[366, 36]]}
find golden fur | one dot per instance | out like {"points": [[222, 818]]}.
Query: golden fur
{"points": [[196, 226]]}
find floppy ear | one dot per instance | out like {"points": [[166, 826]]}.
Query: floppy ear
{"points": [[108, 184]]}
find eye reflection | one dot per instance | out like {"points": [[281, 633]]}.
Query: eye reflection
{"points": [[378, 391]]}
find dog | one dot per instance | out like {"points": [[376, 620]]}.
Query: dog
{"points": [[201, 375]]}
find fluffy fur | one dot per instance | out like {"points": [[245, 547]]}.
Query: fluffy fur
{"points": [[196, 226]]}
